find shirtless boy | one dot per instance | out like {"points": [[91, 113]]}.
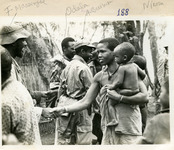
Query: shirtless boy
{"points": [[126, 81]]}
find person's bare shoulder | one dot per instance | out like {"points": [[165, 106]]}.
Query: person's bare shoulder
{"points": [[97, 77]]}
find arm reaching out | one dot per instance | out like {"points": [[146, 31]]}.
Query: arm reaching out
{"points": [[81, 104]]}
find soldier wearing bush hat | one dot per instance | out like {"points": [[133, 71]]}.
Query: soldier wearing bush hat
{"points": [[13, 38]]}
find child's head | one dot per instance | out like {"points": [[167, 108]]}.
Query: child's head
{"points": [[164, 96], [140, 61], [124, 52]]}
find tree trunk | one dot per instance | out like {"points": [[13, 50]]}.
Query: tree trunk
{"points": [[155, 56]]}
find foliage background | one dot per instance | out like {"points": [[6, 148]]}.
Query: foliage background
{"points": [[45, 39]]}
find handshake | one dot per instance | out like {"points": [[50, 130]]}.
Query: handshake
{"points": [[53, 112]]}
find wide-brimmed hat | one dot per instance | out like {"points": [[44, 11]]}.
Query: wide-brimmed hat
{"points": [[78, 45], [9, 34]]}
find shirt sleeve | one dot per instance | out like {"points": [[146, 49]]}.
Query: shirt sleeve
{"points": [[86, 78], [38, 111], [6, 119]]}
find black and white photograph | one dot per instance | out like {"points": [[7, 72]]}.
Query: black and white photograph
{"points": [[83, 80], [58, 82]]}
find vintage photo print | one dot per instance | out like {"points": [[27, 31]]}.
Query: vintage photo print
{"points": [[85, 79]]}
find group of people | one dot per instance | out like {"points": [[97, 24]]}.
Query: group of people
{"points": [[96, 93]]}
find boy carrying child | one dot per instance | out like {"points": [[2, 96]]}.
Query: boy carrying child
{"points": [[126, 82]]}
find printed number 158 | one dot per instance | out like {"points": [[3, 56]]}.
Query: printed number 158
{"points": [[123, 12]]}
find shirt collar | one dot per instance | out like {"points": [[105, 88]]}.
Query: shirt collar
{"points": [[66, 58], [77, 57], [14, 62], [6, 82]]}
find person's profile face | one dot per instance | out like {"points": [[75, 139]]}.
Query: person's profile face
{"points": [[70, 51], [21, 45], [94, 55], [87, 54], [105, 55]]}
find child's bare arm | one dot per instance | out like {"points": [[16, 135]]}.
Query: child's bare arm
{"points": [[128, 92], [137, 99]]}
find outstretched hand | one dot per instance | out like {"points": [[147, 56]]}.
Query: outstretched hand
{"points": [[46, 112], [57, 111], [51, 93]]}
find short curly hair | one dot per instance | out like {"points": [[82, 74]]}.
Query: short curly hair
{"points": [[65, 42], [127, 49], [111, 43]]}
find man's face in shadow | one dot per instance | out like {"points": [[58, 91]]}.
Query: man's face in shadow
{"points": [[69, 51], [20, 46]]}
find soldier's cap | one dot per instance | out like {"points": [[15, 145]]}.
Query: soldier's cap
{"points": [[10, 34], [78, 45]]}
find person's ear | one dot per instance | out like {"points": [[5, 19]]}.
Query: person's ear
{"points": [[82, 51], [125, 57]]}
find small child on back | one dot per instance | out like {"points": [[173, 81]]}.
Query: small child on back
{"points": [[141, 62], [126, 82]]}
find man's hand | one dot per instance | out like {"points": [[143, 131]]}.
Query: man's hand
{"points": [[51, 93], [46, 112], [57, 111], [44, 94]]}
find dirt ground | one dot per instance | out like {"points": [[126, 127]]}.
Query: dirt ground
{"points": [[47, 127]]}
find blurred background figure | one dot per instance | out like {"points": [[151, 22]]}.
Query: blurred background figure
{"points": [[94, 63], [157, 130], [141, 62], [10, 139]]}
